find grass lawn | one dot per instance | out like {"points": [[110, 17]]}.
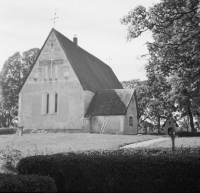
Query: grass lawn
{"points": [[65, 142], [181, 141]]}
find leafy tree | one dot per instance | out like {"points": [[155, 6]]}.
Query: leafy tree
{"points": [[152, 103], [175, 49], [12, 76], [142, 98]]}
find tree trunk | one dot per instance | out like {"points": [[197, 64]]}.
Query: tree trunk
{"points": [[158, 123], [191, 120]]}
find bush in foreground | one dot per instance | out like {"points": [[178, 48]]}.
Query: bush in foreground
{"points": [[9, 156], [26, 183], [137, 170], [187, 134]]}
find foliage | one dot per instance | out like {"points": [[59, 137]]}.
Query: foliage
{"points": [[142, 98], [144, 125], [152, 101], [174, 52], [12, 76], [10, 157], [160, 170], [7, 131], [26, 183], [187, 134]]}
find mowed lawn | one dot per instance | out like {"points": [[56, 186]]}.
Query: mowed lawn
{"points": [[65, 142], [179, 142]]}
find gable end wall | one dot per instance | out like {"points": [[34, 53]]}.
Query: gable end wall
{"points": [[70, 93]]}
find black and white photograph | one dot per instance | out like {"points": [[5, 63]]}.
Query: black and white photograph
{"points": [[100, 96]]}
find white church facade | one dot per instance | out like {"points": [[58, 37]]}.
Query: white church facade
{"points": [[68, 88]]}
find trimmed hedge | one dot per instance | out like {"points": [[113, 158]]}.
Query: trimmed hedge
{"points": [[138, 170], [187, 134], [7, 131], [26, 183]]}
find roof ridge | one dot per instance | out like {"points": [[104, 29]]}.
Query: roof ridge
{"points": [[83, 49], [92, 73]]}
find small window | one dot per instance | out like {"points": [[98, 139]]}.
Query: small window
{"points": [[130, 121], [47, 104], [56, 103]]}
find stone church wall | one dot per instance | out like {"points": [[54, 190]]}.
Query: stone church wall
{"points": [[131, 111], [114, 124], [54, 77]]}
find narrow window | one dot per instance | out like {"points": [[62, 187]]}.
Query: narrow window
{"points": [[130, 121], [56, 103], [47, 104]]}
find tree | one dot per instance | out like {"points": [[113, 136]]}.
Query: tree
{"points": [[152, 103], [12, 76], [142, 98], [175, 50]]}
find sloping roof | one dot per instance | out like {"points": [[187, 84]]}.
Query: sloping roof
{"points": [[110, 102], [92, 73]]}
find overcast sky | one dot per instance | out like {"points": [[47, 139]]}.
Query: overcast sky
{"points": [[25, 24]]}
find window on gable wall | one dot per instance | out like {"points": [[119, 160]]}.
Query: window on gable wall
{"points": [[131, 121], [56, 102], [45, 103], [49, 102]]}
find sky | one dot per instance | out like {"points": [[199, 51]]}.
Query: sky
{"points": [[25, 24]]}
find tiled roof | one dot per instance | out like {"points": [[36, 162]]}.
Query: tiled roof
{"points": [[92, 73], [110, 102]]}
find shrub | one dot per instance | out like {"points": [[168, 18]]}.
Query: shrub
{"points": [[10, 157], [187, 134], [26, 183], [140, 170], [7, 131]]}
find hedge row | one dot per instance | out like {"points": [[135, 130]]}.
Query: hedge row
{"points": [[26, 183], [121, 170], [188, 134], [7, 131]]}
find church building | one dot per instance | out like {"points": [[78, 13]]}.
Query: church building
{"points": [[67, 88]]}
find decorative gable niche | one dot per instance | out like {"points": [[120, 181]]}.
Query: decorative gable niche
{"points": [[51, 59]]}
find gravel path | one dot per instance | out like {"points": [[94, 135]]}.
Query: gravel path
{"points": [[146, 143]]}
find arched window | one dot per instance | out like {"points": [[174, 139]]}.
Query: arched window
{"points": [[45, 102], [131, 121], [54, 102]]}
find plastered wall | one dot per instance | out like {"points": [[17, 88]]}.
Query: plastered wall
{"points": [[114, 124], [131, 111], [52, 72]]}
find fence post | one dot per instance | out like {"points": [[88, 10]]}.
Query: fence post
{"points": [[20, 131]]}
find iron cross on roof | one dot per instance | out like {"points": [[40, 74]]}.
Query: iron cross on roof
{"points": [[54, 19]]}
